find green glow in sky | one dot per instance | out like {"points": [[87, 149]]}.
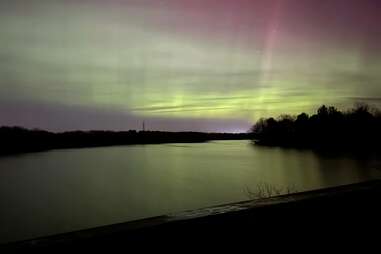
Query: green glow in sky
{"points": [[137, 59]]}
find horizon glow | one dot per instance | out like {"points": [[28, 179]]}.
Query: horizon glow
{"points": [[183, 64]]}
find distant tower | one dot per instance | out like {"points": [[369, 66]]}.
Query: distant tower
{"points": [[144, 126]]}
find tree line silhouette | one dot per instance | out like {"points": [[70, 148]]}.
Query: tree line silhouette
{"points": [[21, 140], [357, 128]]}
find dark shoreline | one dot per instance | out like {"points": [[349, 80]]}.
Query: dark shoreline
{"points": [[17, 140]]}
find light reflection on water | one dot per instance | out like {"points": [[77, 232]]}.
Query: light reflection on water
{"points": [[65, 190]]}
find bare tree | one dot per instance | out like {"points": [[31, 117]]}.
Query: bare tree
{"points": [[266, 190]]}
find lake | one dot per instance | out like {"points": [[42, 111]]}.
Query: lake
{"points": [[65, 190]]}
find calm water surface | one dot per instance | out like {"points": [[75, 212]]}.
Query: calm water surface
{"points": [[65, 190]]}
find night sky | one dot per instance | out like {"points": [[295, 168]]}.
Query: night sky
{"points": [[201, 65]]}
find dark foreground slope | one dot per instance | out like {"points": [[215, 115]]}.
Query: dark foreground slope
{"points": [[20, 140], [336, 215]]}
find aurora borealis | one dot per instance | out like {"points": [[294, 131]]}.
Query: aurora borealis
{"points": [[204, 65]]}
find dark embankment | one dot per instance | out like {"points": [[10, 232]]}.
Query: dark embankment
{"points": [[320, 217], [357, 129], [21, 140]]}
